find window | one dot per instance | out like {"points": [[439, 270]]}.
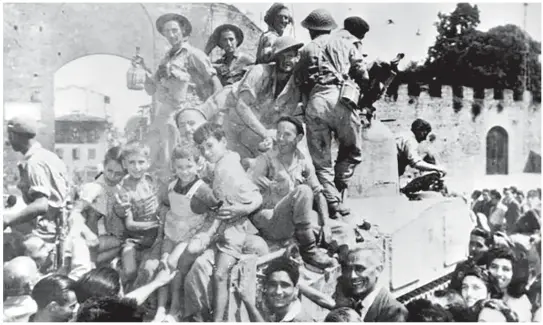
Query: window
{"points": [[92, 154], [75, 154], [60, 153]]}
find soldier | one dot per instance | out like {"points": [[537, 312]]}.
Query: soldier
{"points": [[43, 183], [407, 145], [250, 124], [232, 65], [331, 62]]}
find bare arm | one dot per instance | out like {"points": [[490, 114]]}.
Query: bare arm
{"points": [[37, 208], [216, 84], [317, 297], [254, 313], [424, 166], [138, 225], [162, 278]]}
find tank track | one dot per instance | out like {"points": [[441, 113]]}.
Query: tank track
{"points": [[426, 290]]}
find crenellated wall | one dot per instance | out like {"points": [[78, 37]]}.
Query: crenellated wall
{"points": [[461, 139]]}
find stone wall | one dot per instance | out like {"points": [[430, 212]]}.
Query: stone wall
{"points": [[461, 140]]}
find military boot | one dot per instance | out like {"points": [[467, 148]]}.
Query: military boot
{"points": [[309, 251]]}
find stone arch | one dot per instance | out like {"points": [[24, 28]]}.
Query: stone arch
{"points": [[497, 151]]}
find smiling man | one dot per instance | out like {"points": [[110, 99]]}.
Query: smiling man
{"points": [[359, 288]]}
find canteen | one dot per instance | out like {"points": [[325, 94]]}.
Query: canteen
{"points": [[135, 76], [350, 93]]}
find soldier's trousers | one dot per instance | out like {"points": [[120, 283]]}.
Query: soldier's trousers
{"points": [[324, 115]]}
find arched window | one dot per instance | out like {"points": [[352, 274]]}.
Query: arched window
{"points": [[497, 155]]}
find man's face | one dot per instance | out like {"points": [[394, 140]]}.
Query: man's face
{"points": [[64, 313], [477, 245], [113, 172], [280, 292], [287, 60], [16, 141], [281, 20], [173, 32], [188, 121], [287, 137], [213, 149], [228, 41], [362, 271], [40, 252], [486, 196], [136, 164]]}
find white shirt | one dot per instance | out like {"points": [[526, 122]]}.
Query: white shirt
{"points": [[293, 311], [368, 301]]}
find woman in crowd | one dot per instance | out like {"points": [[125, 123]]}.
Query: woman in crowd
{"points": [[231, 66], [512, 280], [477, 284], [278, 17], [493, 311], [96, 203]]}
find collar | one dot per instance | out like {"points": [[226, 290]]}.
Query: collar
{"points": [[368, 301], [294, 310], [33, 148], [236, 54]]}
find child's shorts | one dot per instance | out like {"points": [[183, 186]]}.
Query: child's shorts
{"points": [[232, 237]]}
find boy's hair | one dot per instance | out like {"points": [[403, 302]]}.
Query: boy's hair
{"points": [[52, 288], [495, 195], [135, 147], [185, 152], [343, 315], [453, 298], [109, 309], [207, 130], [178, 114], [283, 264], [103, 281], [113, 153], [495, 304], [423, 310]]}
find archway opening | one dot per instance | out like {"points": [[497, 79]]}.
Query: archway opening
{"points": [[497, 151], [92, 109]]}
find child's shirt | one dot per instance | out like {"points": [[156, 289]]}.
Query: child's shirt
{"points": [[144, 203], [19, 308], [232, 185], [181, 222]]}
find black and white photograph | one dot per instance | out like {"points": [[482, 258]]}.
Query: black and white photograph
{"points": [[272, 162]]}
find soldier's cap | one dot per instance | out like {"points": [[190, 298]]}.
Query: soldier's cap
{"points": [[356, 26], [182, 20], [23, 125], [215, 38], [285, 43], [319, 19], [421, 125], [273, 11]]}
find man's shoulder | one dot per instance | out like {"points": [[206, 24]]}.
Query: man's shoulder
{"points": [[385, 307]]}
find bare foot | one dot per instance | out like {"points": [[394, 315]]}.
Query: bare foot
{"points": [[160, 316]]}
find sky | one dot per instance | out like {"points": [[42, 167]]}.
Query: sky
{"points": [[106, 74]]}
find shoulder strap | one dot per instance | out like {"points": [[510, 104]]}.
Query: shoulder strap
{"points": [[194, 188]]}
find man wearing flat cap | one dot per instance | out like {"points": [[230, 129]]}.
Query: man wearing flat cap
{"points": [[43, 182], [250, 124], [232, 65]]}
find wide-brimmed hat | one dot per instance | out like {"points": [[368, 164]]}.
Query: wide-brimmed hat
{"points": [[319, 19], [183, 21], [285, 43], [214, 39]]}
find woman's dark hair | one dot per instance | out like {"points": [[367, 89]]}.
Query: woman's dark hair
{"points": [[283, 264], [475, 194], [269, 18], [519, 264], [113, 153], [343, 315], [52, 288], [422, 310], [109, 309], [495, 304], [103, 281], [479, 272], [480, 232]]}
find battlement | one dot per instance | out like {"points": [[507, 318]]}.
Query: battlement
{"points": [[411, 93]]}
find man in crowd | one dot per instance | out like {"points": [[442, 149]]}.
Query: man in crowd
{"points": [[359, 288], [280, 295], [483, 206], [56, 299], [407, 144]]}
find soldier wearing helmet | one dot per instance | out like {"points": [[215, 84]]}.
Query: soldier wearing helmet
{"points": [[250, 124], [327, 63], [407, 145]]}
